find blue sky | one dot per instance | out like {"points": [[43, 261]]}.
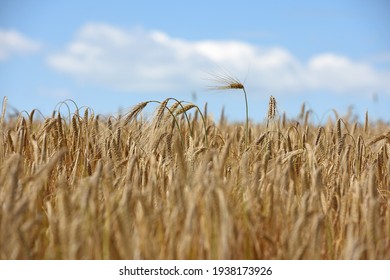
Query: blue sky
{"points": [[110, 55]]}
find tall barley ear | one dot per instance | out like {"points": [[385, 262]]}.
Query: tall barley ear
{"points": [[85, 119], [271, 110], [366, 123], [160, 112], [3, 110], [2, 118], [224, 81], [338, 129], [303, 110]]}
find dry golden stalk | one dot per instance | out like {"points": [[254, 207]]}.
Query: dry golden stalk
{"points": [[379, 138], [160, 112], [75, 126], [340, 144], [168, 141], [185, 109], [85, 119], [10, 141], [134, 112], [302, 113], [366, 123], [261, 138], [338, 125], [271, 108], [59, 126], [321, 130], [158, 140], [48, 124]]}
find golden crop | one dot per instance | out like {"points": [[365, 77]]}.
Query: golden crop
{"points": [[180, 186]]}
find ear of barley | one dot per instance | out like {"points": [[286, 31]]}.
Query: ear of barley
{"points": [[157, 141], [168, 142], [338, 128], [75, 125], [261, 138], [10, 142], [48, 124], [379, 138], [59, 124], [85, 119], [271, 108], [185, 109], [160, 112], [289, 146], [205, 112], [175, 106], [366, 123], [109, 124], [319, 133], [340, 144], [224, 81], [236, 86], [302, 113], [284, 120], [4, 107], [31, 117], [134, 112], [380, 157]]}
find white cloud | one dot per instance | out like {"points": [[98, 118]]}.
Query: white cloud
{"points": [[339, 73], [13, 42], [142, 60]]}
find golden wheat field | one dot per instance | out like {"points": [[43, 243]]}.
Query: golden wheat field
{"points": [[179, 185]]}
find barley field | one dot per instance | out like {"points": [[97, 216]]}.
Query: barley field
{"points": [[176, 184]]}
